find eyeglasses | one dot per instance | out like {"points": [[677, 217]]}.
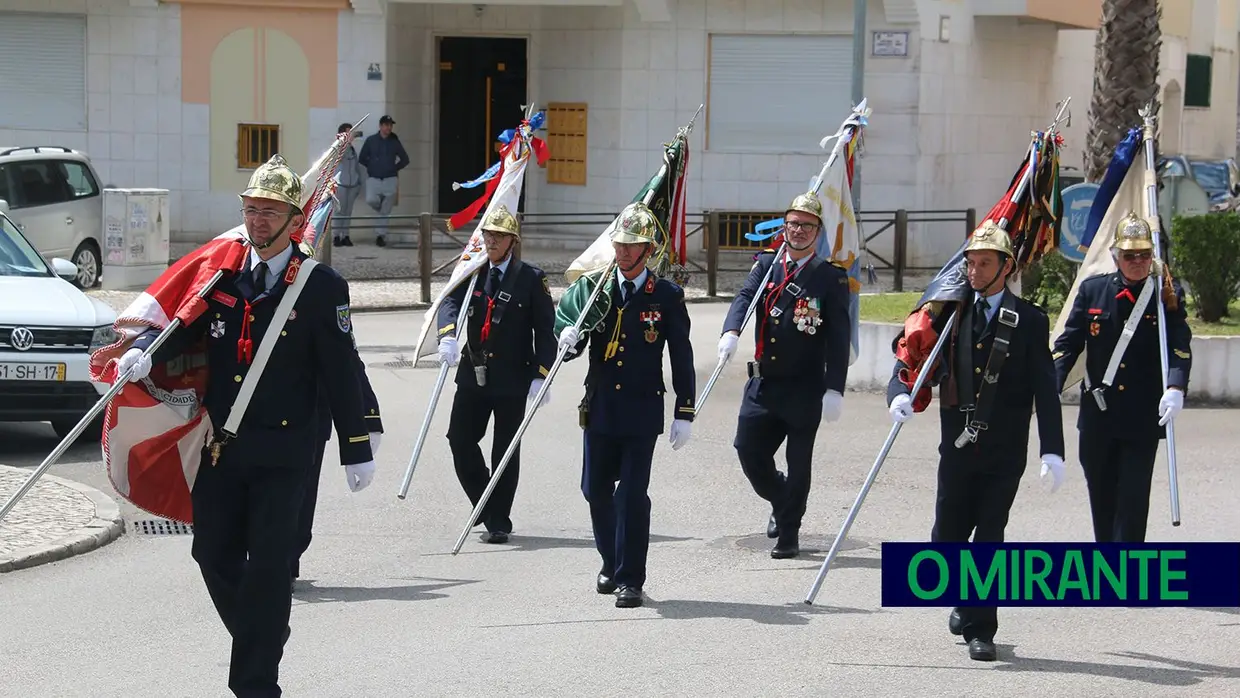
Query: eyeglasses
{"points": [[263, 214], [1136, 256], [794, 226]]}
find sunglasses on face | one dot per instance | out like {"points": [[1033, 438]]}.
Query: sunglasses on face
{"points": [[1136, 256]]}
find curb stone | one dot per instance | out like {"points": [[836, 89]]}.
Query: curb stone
{"points": [[106, 526]]}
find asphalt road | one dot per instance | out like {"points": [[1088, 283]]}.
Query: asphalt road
{"points": [[388, 611]]}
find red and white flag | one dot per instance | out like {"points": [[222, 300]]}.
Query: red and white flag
{"points": [[154, 429]]}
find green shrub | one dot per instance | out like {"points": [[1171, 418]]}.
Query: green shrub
{"points": [[1048, 281], [1205, 255]]}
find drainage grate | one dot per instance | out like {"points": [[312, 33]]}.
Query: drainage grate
{"points": [[402, 363], [161, 527]]}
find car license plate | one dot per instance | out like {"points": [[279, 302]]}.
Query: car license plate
{"points": [[10, 371]]}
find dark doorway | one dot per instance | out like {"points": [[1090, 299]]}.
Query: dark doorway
{"points": [[481, 90]]}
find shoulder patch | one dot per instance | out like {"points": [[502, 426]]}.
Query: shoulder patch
{"points": [[343, 320]]}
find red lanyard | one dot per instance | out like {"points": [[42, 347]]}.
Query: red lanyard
{"points": [[245, 345], [486, 323], [772, 298]]}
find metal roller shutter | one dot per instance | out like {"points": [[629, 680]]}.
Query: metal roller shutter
{"points": [[777, 93], [43, 71]]}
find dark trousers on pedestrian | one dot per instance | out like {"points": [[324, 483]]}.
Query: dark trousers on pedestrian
{"points": [[245, 523], [759, 434], [1118, 474], [471, 410], [974, 498], [305, 520], [615, 481]]}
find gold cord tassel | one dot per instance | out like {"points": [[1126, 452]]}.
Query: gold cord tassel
{"points": [[613, 345]]}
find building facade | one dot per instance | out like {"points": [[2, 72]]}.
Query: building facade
{"points": [[189, 95]]}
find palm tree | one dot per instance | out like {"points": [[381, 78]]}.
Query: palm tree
{"points": [[1125, 77]]}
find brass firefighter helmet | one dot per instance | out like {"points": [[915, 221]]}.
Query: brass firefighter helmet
{"points": [[807, 203], [501, 221], [1133, 233], [636, 225], [277, 181], [989, 236]]}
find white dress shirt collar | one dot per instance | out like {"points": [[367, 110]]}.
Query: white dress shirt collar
{"points": [[637, 282], [275, 265]]}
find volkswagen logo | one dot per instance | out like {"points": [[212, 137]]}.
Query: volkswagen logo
{"points": [[21, 338]]}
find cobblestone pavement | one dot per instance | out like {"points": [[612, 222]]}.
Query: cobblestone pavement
{"points": [[57, 518]]}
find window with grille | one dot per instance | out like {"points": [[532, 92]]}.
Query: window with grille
{"points": [[1198, 76], [256, 143], [566, 139]]}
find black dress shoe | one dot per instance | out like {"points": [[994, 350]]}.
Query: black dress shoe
{"points": [[955, 626], [605, 584], [982, 651], [346, 242], [629, 597], [786, 547], [380, 241], [494, 537], [772, 528]]}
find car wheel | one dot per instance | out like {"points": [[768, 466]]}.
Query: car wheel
{"points": [[92, 432], [86, 257]]}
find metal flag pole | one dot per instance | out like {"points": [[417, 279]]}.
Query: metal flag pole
{"points": [[117, 386], [439, 383], [853, 123], [1021, 187], [555, 367], [1151, 202]]}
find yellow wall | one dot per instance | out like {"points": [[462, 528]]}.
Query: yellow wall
{"points": [[1177, 19]]}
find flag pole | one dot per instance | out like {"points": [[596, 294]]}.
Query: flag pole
{"points": [[851, 126], [117, 386], [1160, 269], [1021, 187]]}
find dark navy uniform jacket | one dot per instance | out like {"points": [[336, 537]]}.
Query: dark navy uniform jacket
{"points": [[314, 358], [374, 424], [1094, 325], [797, 367], [521, 345], [624, 387]]}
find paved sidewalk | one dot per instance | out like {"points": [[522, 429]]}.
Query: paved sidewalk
{"points": [[56, 519]]}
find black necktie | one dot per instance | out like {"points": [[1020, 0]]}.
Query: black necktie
{"points": [[493, 282], [260, 279], [628, 290], [979, 317]]}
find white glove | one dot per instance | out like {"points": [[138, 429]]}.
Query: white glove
{"points": [[1053, 465], [1170, 405], [682, 429], [375, 436], [901, 408], [832, 406], [569, 338], [535, 386], [727, 346], [136, 359], [359, 475], [449, 351]]}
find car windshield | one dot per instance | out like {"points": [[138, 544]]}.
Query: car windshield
{"points": [[1212, 176], [17, 257]]}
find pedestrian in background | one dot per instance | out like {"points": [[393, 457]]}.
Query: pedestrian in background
{"points": [[384, 157]]}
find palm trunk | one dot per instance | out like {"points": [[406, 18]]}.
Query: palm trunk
{"points": [[1125, 77]]}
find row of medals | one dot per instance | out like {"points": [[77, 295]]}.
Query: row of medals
{"points": [[806, 322]]}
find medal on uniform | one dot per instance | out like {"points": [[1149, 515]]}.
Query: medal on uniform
{"points": [[1094, 329], [651, 317], [217, 329]]}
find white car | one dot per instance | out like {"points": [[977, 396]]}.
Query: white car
{"points": [[48, 328], [55, 198]]}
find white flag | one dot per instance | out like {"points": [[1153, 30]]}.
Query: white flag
{"points": [[840, 242]]}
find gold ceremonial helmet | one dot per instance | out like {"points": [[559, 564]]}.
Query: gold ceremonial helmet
{"points": [[1133, 233], [277, 181], [807, 203], [989, 236], [636, 225], [501, 221]]}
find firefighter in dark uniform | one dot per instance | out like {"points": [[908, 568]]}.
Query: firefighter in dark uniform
{"points": [[374, 424], [622, 412], [249, 489], [800, 365], [1124, 409], [997, 365], [508, 353]]}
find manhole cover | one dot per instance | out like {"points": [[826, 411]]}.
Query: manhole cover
{"points": [[161, 527], [809, 544], [402, 363]]}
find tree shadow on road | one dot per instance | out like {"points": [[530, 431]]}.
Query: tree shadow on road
{"points": [[308, 592], [786, 614]]}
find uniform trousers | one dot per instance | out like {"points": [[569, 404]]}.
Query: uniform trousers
{"points": [[245, 524], [305, 520], [1118, 474], [619, 513], [975, 495], [759, 433], [471, 410]]}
